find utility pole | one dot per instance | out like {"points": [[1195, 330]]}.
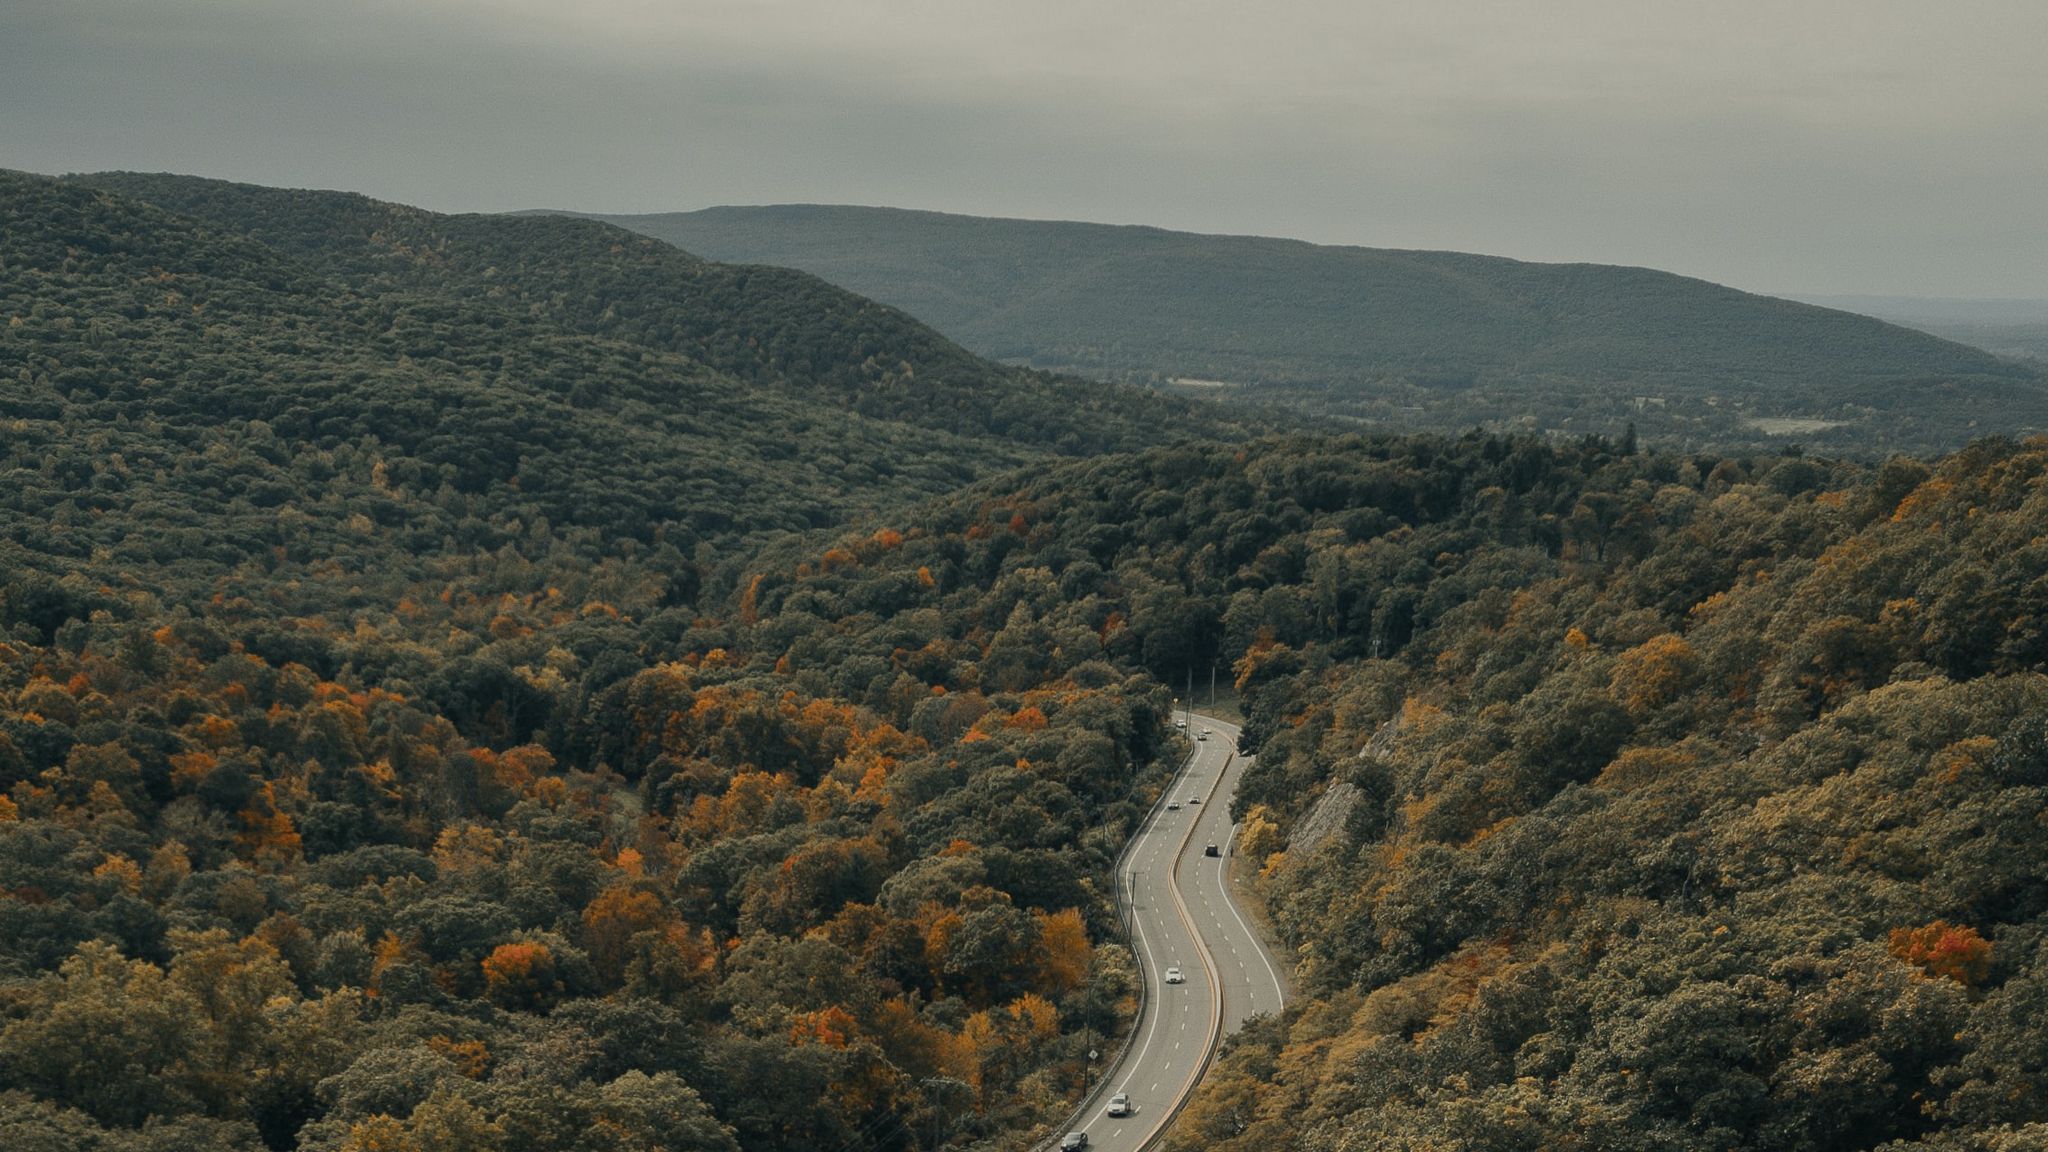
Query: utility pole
{"points": [[1212, 683], [1188, 709], [934, 1083], [1088, 1006]]}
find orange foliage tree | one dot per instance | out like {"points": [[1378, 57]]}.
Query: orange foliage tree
{"points": [[521, 975], [1943, 949], [831, 1026], [618, 914]]}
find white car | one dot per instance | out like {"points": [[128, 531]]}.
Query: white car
{"points": [[1173, 976], [1202, 735], [1181, 724], [1119, 1105]]}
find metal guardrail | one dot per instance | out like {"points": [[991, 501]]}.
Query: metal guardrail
{"points": [[1126, 910]]}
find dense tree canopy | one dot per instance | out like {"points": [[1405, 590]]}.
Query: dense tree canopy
{"points": [[423, 728], [374, 769], [1606, 799]]}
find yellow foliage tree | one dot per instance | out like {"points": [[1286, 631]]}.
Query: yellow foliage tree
{"points": [[618, 914], [1260, 836], [1064, 952], [1036, 1017], [466, 849], [1653, 673]]}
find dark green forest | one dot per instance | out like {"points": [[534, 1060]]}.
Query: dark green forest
{"points": [[505, 684], [1398, 339], [371, 551]]}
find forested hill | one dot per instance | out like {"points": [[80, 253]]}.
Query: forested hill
{"points": [[364, 783], [1415, 339], [379, 769], [820, 343], [137, 341], [1604, 800], [371, 772]]}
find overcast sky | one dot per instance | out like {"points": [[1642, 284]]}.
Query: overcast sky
{"points": [[1853, 146]]}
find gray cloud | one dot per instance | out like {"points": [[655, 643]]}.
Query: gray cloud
{"points": [[1823, 145]]}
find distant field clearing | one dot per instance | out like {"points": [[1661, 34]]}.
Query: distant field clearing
{"points": [[1789, 426], [1196, 382]]}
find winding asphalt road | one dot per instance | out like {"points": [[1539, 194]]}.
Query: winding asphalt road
{"points": [[1178, 901]]}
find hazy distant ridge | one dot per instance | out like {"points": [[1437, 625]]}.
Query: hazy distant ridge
{"points": [[2005, 327], [1431, 338]]}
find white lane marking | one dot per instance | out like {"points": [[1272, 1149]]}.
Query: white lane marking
{"points": [[1278, 993], [1144, 946], [1144, 957]]}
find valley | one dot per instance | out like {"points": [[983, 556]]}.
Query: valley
{"points": [[506, 683]]}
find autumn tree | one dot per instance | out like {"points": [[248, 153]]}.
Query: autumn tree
{"points": [[521, 976], [1953, 951]]}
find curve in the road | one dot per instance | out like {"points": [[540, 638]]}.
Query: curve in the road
{"points": [[1221, 864], [1215, 975], [1157, 935]]}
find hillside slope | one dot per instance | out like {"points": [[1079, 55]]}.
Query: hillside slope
{"points": [[757, 325], [1606, 800], [133, 335], [363, 783], [378, 768], [1438, 339], [2016, 329]]}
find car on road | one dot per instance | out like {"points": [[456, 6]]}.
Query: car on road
{"points": [[1194, 799], [1074, 1142], [1173, 976], [1202, 735], [1119, 1105], [1212, 850], [1181, 724], [1173, 807]]}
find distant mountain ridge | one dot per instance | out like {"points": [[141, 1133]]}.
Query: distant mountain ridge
{"points": [[2016, 328], [1432, 339]]}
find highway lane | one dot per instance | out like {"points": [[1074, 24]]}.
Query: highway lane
{"points": [[1252, 981], [1178, 901]]}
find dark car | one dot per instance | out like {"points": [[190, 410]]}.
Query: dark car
{"points": [[1212, 850], [1074, 1142]]}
